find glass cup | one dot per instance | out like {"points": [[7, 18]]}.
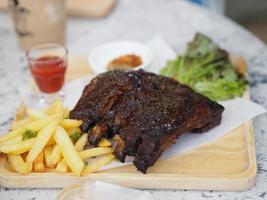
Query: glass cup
{"points": [[48, 64], [33, 21]]}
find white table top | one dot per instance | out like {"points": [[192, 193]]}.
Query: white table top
{"points": [[176, 21]]}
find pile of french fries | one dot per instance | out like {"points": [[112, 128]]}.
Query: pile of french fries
{"points": [[45, 141]]}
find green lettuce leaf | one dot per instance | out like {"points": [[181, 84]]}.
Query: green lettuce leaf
{"points": [[207, 69]]}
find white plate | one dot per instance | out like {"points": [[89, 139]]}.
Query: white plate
{"points": [[102, 55]]}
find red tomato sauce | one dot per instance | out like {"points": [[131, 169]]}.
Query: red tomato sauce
{"points": [[48, 72]]}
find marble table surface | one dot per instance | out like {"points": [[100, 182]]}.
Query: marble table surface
{"points": [[176, 21]]}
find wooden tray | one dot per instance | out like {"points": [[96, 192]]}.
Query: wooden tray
{"points": [[84, 8], [228, 163], [71, 192]]}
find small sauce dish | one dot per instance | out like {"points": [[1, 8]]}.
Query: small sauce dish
{"points": [[100, 57]]}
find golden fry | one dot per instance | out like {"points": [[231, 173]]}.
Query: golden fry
{"points": [[16, 139], [116, 138], [81, 142], [41, 140], [18, 165], [39, 124], [21, 112], [73, 130], [36, 114], [20, 123], [38, 163], [70, 123], [17, 148], [66, 113], [55, 108], [104, 143], [35, 126], [95, 152], [51, 141], [62, 166], [66, 147], [96, 163], [56, 155], [47, 157], [11, 135]]}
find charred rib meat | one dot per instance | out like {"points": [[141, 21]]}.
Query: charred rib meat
{"points": [[149, 112]]}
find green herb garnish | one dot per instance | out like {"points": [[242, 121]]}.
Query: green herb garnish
{"points": [[75, 135], [28, 134], [207, 69]]}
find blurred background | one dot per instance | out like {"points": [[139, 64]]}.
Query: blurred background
{"points": [[252, 14]]}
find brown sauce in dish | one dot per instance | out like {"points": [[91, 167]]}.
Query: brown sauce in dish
{"points": [[125, 62]]}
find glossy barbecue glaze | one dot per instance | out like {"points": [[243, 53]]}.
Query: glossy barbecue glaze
{"points": [[149, 112]]}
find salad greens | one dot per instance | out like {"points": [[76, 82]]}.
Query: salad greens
{"points": [[75, 135], [207, 69], [28, 134]]}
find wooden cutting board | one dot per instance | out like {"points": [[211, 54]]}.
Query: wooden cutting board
{"points": [[229, 163], [84, 8]]}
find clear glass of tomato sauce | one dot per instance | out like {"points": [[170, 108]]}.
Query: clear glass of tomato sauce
{"points": [[48, 64]]}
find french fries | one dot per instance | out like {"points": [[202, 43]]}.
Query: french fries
{"points": [[36, 114], [16, 139], [51, 141], [116, 138], [20, 123], [42, 138], [70, 123], [81, 142], [67, 149], [11, 135], [66, 113], [35, 125], [48, 141], [95, 152], [47, 157], [21, 112], [104, 143], [38, 163], [56, 155], [62, 166], [17, 148], [96, 163], [18, 165], [55, 108]]}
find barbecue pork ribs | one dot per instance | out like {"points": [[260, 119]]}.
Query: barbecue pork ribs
{"points": [[149, 112]]}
